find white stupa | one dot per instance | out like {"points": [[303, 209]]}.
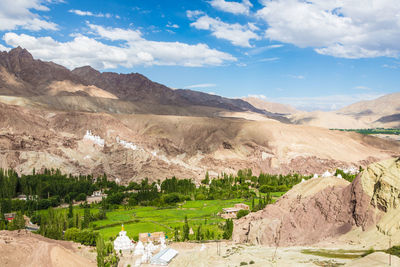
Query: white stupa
{"points": [[315, 175], [139, 250], [162, 243], [122, 242], [150, 247], [146, 255], [327, 174]]}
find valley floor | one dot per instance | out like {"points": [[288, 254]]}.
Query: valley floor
{"points": [[244, 255]]}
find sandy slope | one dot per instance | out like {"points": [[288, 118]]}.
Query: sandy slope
{"points": [[166, 145], [22, 248]]}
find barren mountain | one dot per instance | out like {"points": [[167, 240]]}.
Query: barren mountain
{"points": [[382, 112], [157, 146], [22, 75], [323, 209], [382, 106], [270, 106], [125, 125]]}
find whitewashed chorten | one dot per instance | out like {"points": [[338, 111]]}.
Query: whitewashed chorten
{"points": [[122, 242]]}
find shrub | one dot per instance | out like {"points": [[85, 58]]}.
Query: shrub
{"points": [[171, 198], [200, 196], [242, 213], [85, 237], [251, 262], [243, 263], [81, 197]]}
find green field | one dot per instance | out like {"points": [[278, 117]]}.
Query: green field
{"points": [[152, 219], [372, 131]]}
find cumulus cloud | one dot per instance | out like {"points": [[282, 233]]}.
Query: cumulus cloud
{"points": [[90, 14], [347, 29], [3, 48], [232, 7], [130, 49], [237, 34], [171, 25], [202, 85], [191, 14], [19, 14]]}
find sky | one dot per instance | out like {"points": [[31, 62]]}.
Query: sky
{"points": [[314, 55]]}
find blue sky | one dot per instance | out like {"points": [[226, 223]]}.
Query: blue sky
{"points": [[317, 54]]}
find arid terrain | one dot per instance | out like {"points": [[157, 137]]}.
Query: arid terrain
{"points": [[22, 248], [383, 112], [331, 210], [87, 122]]}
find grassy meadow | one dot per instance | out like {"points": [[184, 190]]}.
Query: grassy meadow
{"points": [[141, 219]]}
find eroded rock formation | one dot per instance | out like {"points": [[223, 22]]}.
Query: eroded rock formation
{"points": [[322, 208]]}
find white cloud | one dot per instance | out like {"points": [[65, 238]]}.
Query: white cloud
{"points": [[134, 50], [269, 59], [192, 14], [170, 25], [232, 7], [299, 77], [3, 48], [328, 102], [259, 50], [348, 29], [202, 85], [91, 14], [237, 34], [258, 96], [16, 14]]}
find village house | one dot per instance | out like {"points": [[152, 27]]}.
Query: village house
{"points": [[22, 197], [153, 237], [9, 216], [230, 213], [98, 193]]}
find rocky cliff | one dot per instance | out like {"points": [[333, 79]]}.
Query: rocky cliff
{"points": [[324, 208]]}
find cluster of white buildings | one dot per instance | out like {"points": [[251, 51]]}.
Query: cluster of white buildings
{"points": [[126, 144], [350, 170], [94, 138], [143, 252]]}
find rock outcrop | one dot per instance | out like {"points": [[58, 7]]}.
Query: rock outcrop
{"points": [[323, 208]]}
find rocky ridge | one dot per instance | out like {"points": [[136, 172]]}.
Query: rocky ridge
{"points": [[323, 209]]}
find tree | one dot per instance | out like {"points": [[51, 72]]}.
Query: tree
{"points": [[228, 229], [100, 246], [86, 218], [176, 235], [186, 230], [18, 222], [199, 234], [242, 213], [206, 180], [70, 211]]}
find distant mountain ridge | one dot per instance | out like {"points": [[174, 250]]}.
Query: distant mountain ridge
{"points": [[22, 75], [270, 106]]}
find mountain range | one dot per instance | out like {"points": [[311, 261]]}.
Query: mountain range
{"points": [[125, 125]]}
